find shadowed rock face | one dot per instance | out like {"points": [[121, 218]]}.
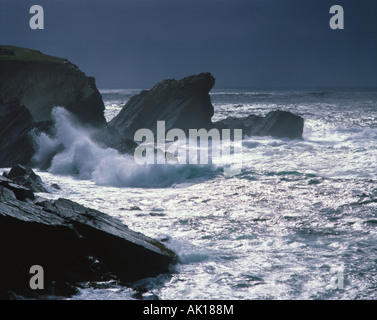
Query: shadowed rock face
{"points": [[16, 145], [41, 82], [71, 242], [183, 104]]}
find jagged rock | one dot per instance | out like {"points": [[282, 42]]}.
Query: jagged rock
{"points": [[41, 82], [26, 177], [16, 144], [275, 123], [71, 243], [183, 104]]}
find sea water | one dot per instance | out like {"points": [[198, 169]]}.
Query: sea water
{"points": [[298, 222]]}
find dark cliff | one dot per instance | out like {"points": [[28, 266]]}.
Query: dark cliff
{"points": [[16, 145], [41, 82]]}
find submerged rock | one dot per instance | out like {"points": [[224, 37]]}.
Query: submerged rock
{"points": [[183, 104], [41, 82], [71, 243]]}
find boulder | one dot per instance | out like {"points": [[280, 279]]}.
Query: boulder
{"points": [[282, 124], [278, 123], [72, 244], [183, 104], [26, 177], [41, 82]]}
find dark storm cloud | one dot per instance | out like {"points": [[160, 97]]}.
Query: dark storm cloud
{"points": [[244, 43]]}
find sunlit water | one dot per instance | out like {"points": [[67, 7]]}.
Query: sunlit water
{"points": [[298, 222]]}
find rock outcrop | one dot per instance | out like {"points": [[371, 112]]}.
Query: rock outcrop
{"points": [[183, 104], [32, 83], [41, 82], [278, 123], [70, 242]]}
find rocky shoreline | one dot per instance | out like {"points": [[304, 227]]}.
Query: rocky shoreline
{"points": [[72, 243]]}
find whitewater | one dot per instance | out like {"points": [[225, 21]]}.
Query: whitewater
{"points": [[298, 222]]}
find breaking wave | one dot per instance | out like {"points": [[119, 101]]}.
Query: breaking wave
{"points": [[72, 152]]}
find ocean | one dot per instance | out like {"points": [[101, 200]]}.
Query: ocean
{"points": [[299, 221]]}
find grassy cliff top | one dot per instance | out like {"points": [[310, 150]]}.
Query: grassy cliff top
{"points": [[12, 53]]}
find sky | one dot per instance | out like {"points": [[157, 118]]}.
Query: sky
{"points": [[243, 43]]}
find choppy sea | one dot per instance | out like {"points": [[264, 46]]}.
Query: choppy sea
{"points": [[299, 221]]}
